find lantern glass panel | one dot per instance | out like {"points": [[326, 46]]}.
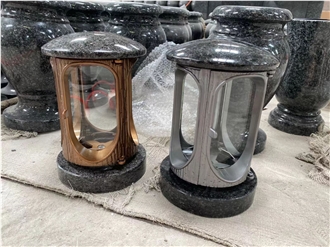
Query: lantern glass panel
{"points": [[189, 108], [233, 117], [93, 105]]}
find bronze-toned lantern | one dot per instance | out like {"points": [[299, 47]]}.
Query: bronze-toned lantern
{"points": [[100, 148]]}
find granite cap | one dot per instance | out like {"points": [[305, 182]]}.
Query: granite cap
{"points": [[252, 13], [223, 55], [134, 8], [93, 45]]}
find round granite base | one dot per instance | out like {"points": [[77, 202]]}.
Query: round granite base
{"points": [[207, 201], [298, 124], [261, 142], [102, 179], [31, 119]]}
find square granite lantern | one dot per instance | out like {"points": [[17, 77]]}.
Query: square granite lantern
{"points": [[210, 175], [100, 148]]}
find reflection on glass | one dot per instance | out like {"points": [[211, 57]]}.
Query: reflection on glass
{"points": [[189, 106], [93, 105], [232, 117]]}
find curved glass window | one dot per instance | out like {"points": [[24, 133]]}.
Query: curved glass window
{"points": [[93, 105], [189, 107], [233, 106]]}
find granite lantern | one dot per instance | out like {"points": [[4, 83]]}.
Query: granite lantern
{"points": [[211, 175], [100, 148]]}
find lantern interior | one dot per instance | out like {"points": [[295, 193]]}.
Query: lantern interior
{"points": [[233, 129], [93, 105]]}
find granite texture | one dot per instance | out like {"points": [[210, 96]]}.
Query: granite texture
{"points": [[207, 201], [196, 24], [299, 9], [52, 11], [86, 16], [93, 45], [305, 88], [102, 180], [174, 20], [30, 73], [134, 8], [252, 13], [139, 22], [260, 26], [223, 55]]}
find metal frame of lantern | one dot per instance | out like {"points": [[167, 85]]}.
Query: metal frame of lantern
{"points": [[94, 159], [212, 176]]}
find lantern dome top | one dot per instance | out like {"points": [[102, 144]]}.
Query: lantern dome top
{"points": [[252, 13], [93, 45], [134, 8], [223, 55]]}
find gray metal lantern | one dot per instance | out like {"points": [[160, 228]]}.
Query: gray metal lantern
{"points": [[210, 174]]}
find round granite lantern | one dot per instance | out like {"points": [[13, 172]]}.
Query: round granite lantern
{"points": [[25, 27], [86, 16], [175, 23], [210, 175], [263, 27], [139, 22], [100, 148], [196, 24], [305, 88]]}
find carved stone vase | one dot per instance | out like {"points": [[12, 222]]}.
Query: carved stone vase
{"points": [[263, 27], [305, 88], [196, 23], [86, 16], [174, 20], [25, 27], [139, 22]]}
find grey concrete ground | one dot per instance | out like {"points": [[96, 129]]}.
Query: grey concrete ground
{"points": [[36, 217]]}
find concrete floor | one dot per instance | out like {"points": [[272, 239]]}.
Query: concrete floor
{"points": [[36, 217]]}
